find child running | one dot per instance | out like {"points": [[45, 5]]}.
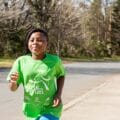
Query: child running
{"points": [[42, 77]]}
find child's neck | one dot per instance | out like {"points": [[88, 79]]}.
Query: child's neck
{"points": [[38, 57]]}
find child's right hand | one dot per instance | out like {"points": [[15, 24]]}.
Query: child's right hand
{"points": [[13, 81], [14, 76]]}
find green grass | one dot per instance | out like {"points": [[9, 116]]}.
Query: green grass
{"points": [[4, 62], [8, 62], [88, 59]]}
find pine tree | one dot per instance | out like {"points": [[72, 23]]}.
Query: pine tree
{"points": [[115, 31], [96, 20], [95, 27]]}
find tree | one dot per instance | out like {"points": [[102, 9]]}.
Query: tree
{"points": [[61, 20], [96, 20], [97, 29], [41, 12], [66, 29], [115, 30], [13, 24], [90, 29]]}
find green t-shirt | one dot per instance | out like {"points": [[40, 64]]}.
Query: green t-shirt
{"points": [[39, 78]]}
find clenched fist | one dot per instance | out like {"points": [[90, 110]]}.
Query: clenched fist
{"points": [[13, 81], [14, 76]]}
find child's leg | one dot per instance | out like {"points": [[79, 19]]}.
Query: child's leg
{"points": [[48, 117]]}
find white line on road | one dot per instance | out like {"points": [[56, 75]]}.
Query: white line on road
{"points": [[80, 98]]}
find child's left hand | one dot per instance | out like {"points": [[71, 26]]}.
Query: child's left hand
{"points": [[56, 101]]}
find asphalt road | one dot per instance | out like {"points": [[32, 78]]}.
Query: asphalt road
{"points": [[84, 76], [80, 78]]}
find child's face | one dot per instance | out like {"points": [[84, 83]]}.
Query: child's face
{"points": [[37, 43]]}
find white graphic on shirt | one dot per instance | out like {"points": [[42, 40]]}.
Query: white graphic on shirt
{"points": [[39, 85], [41, 79], [33, 88]]}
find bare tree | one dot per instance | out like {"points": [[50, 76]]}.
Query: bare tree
{"points": [[61, 19], [67, 28], [13, 22]]}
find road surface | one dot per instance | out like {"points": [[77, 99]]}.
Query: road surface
{"points": [[80, 78]]}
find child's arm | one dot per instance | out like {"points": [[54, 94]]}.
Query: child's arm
{"points": [[13, 81], [60, 84]]}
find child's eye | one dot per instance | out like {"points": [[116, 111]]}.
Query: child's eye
{"points": [[31, 40], [39, 40]]}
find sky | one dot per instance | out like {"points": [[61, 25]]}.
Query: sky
{"points": [[88, 1]]}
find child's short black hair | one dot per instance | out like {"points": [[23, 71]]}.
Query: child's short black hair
{"points": [[45, 34]]}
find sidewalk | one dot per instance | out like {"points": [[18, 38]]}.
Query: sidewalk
{"points": [[101, 103]]}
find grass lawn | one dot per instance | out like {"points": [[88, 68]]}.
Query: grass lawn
{"points": [[86, 59], [9, 62], [6, 62]]}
